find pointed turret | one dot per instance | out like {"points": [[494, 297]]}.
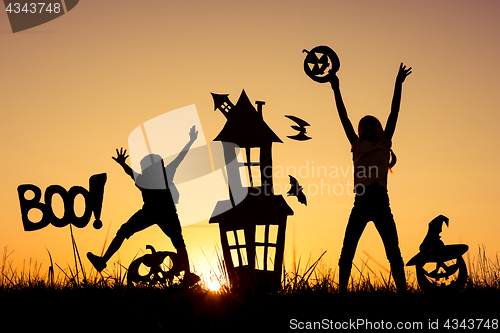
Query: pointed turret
{"points": [[222, 103]]}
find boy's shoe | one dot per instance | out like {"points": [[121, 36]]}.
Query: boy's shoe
{"points": [[97, 262], [190, 279]]}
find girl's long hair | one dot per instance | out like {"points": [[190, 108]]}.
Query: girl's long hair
{"points": [[393, 159]]}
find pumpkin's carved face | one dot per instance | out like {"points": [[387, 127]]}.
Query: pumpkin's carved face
{"points": [[440, 267], [450, 275], [320, 62], [155, 268]]}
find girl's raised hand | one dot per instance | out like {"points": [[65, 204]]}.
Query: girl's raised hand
{"points": [[402, 73]]}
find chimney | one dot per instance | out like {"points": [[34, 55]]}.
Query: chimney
{"points": [[259, 108]]}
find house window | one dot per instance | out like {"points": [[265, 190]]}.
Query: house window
{"points": [[250, 167], [264, 258], [237, 246], [225, 107], [266, 237]]}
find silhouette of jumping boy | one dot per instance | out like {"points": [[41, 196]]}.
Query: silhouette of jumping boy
{"points": [[372, 157], [160, 197]]}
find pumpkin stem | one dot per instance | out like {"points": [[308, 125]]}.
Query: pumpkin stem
{"points": [[304, 50], [153, 251]]}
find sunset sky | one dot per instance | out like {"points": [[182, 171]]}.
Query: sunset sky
{"points": [[72, 90]]}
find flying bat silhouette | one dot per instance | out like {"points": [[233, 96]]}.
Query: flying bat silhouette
{"points": [[296, 190], [301, 128]]}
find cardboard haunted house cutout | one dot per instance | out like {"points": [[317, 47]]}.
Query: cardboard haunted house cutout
{"points": [[252, 231]]}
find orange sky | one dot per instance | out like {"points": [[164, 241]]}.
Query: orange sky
{"points": [[73, 89]]}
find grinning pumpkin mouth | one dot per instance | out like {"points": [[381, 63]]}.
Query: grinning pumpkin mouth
{"points": [[441, 270]]}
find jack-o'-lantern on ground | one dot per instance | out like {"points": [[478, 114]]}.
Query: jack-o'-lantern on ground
{"points": [[439, 267], [154, 268]]}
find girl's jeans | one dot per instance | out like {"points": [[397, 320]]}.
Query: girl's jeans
{"points": [[372, 205]]}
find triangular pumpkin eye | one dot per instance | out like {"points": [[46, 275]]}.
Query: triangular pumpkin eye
{"points": [[143, 270], [319, 55], [315, 68], [324, 59]]}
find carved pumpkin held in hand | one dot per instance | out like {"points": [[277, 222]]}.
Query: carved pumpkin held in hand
{"points": [[161, 268], [320, 62]]}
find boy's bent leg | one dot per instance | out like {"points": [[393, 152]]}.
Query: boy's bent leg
{"points": [[183, 257], [137, 222], [189, 278], [100, 262], [114, 246], [171, 226]]}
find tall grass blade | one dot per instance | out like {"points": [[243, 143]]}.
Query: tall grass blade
{"points": [[51, 270]]}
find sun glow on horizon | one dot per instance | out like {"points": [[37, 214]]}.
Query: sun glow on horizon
{"points": [[214, 285], [212, 282]]}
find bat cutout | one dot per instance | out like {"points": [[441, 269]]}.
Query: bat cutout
{"points": [[296, 190], [301, 128]]}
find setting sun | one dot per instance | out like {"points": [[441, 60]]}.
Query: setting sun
{"points": [[213, 285]]}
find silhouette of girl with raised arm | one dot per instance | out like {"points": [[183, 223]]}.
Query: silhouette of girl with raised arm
{"points": [[160, 197], [372, 157]]}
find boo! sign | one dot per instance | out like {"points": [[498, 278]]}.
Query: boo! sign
{"points": [[93, 204]]}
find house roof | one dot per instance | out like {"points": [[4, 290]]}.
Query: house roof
{"points": [[254, 209], [245, 126]]}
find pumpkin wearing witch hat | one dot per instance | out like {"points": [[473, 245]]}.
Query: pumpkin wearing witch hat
{"points": [[439, 267]]}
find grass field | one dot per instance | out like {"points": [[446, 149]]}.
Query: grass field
{"points": [[58, 300]]}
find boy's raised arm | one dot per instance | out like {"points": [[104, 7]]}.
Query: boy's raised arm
{"points": [[193, 134], [120, 159], [390, 127], [344, 119]]}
